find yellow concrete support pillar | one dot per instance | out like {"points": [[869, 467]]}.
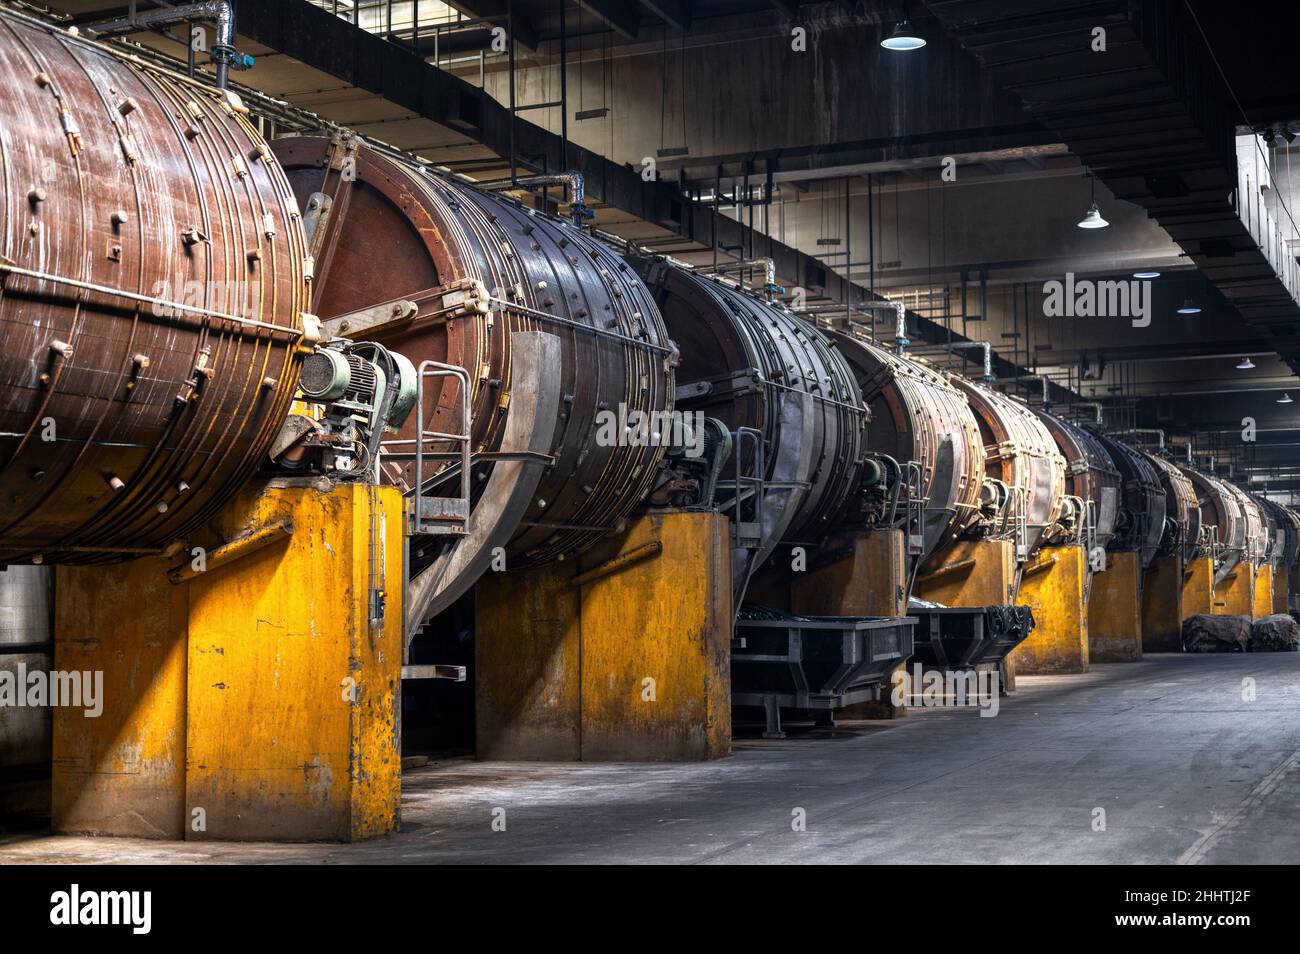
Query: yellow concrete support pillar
{"points": [[1162, 605], [1281, 590], [871, 580], [972, 573], [1198, 587], [1234, 595], [121, 772], [297, 648], [1262, 600], [1052, 585], [1115, 610], [623, 655], [250, 694]]}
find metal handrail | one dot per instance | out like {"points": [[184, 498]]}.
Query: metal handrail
{"points": [[437, 369]]}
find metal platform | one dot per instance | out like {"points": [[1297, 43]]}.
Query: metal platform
{"points": [[780, 661], [963, 637]]}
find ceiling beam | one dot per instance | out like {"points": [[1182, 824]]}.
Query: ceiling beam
{"points": [[676, 13], [618, 15], [497, 11]]}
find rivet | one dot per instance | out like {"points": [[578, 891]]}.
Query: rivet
{"points": [[162, 506], [269, 382], [36, 196], [120, 218], [115, 482], [254, 254], [62, 347], [182, 487]]}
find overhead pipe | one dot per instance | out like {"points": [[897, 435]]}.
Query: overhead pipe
{"points": [[1047, 401], [767, 264], [988, 355], [1143, 432], [1093, 404], [1188, 446], [901, 341], [220, 12], [573, 182]]}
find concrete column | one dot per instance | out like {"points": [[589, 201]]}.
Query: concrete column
{"points": [[1115, 610], [1234, 595], [1198, 587], [624, 654], [1052, 585], [1162, 605], [252, 695], [1262, 599]]}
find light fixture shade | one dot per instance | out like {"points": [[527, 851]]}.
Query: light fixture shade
{"points": [[1285, 399], [1093, 219], [1245, 364], [1189, 307], [1146, 274], [903, 38]]}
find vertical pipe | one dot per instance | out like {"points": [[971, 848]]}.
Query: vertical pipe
{"points": [[984, 295], [871, 232], [848, 248], [514, 113], [717, 211], [564, 90]]}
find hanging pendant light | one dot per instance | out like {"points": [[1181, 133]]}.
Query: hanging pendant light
{"points": [[903, 38], [1092, 219], [1189, 307], [1285, 399], [1245, 364], [1146, 274]]}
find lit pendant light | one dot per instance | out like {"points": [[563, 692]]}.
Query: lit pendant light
{"points": [[1285, 399], [1245, 364], [1146, 274], [1189, 307], [903, 38], [1093, 219]]}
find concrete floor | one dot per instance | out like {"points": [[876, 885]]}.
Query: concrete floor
{"points": [[1186, 770]]}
